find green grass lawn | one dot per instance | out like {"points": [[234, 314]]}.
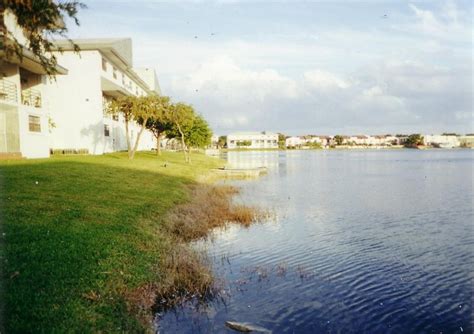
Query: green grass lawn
{"points": [[78, 233]]}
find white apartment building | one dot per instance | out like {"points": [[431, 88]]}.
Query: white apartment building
{"points": [[252, 140], [24, 107], [444, 141], [467, 140], [101, 71], [294, 141], [302, 141], [67, 113]]}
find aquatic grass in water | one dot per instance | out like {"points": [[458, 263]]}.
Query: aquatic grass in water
{"points": [[210, 207]]}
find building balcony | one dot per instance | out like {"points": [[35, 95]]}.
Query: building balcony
{"points": [[8, 91], [31, 97]]}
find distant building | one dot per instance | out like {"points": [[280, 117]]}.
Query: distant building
{"points": [[214, 141], [302, 141], [358, 140], [294, 142], [381, 140], [324, 140], [466, 140], [443, 141], [252, 140]]}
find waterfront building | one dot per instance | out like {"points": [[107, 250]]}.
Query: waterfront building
{"points": [[100, 72], [443, 141], [381, 140], [466, 140], [66, 114], [358, 140], [24, 106], [252, 140], [325, 141], [214, 142], [294, 142]]}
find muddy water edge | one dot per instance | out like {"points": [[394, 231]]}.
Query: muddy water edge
{"points": [[186, 272]]}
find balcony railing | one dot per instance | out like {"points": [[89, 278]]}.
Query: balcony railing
{"points": [[8, 91], [31, 97]]}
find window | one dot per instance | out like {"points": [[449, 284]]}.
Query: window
{"points": [[114, 72], [104, 64], [34, 123], [115, 117], [106, 130], [123, 79]]}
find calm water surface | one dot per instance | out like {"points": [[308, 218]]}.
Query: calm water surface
{"points": [[361, 242]]}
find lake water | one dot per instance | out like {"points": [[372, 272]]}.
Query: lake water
{"points": [[366, 241]]}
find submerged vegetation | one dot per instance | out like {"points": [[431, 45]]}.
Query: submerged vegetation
{"points": [[210, 207], [91, 243]]}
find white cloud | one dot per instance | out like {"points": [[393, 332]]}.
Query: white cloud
{"points": [[412, 70], [319, 79], [449, 23], [378, 97]]}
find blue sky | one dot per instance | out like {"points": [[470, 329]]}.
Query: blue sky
{"points": [[321, 67]]}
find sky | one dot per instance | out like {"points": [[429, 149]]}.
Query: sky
{"points": [[304, 67]]}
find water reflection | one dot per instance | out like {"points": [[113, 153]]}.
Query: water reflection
{"points": [[366, 241], [252, 159]]}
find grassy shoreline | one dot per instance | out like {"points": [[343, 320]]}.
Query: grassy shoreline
{"points": [[83, 239]]}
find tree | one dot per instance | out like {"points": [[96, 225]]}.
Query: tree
{"points": [[133, 108], [199, 134], [281, 141], [339, 139], [222, 142], [160, 121], [182, 116], [40, 21], [414, 140]]}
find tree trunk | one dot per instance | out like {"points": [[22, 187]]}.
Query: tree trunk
{"points": [[158, 144], [135, 147], [183, 145], [128, 140]]}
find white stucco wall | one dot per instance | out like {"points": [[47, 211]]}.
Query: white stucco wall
{"points": [[33, 144], [76, 108], [75, 103]]}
